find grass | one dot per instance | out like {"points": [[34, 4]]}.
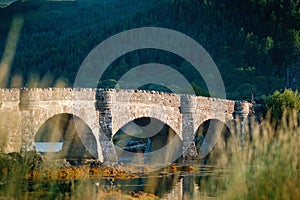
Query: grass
{"points": [[269, 167]]}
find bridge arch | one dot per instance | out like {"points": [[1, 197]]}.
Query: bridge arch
{"points": [[212, 140], [130, 112], [142, 139], [76, 138]]}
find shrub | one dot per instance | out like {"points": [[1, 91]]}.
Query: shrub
{"points": [[283, 103]]}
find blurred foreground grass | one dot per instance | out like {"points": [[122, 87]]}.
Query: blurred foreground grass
{"points": [[269, 168]]}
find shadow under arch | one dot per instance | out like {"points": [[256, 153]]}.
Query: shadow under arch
{"points": [[220, 141], [154, 145], [76, 140]]}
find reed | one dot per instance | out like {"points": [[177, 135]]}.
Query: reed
{"points": [[268, 168]]}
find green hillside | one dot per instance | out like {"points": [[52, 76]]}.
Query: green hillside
{"points": [[249, 40]]}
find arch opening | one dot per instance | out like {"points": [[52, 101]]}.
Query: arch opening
{"points": [[219, 141], [142, 139], [66, 136]]}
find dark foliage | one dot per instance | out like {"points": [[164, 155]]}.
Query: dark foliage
{"points": [[249, 40]]}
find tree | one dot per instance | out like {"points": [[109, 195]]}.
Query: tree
{"points": [[283, 104]]}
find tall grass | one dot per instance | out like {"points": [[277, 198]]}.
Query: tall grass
{"points": [[269, 168]]}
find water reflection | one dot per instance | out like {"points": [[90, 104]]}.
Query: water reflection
{"points": [[197, 184], [43, 147], [153, 184]]}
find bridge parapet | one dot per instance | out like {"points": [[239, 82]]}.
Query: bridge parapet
{"points": [[215, 104], [83, 94], [31, 98], [9, 95], [148, 97]]}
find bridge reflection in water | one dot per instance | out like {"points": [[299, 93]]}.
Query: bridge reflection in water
{"points": [[197, 184], [200, 183]]}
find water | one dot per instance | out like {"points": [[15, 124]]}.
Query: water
{"points": [[48, 146], [161, 184], [148, 145]]}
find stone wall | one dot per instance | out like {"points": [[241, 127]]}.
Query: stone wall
{"points": [[23, 111], [10, 116], [27, 109], [213, 108], [130, 105]]}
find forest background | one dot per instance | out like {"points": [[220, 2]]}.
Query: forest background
{"points": [[251, 41]]}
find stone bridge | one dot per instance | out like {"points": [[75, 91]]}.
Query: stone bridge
{"points": [[87, 120]]}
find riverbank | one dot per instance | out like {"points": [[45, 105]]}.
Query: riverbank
{"points": [[38, 177]]}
